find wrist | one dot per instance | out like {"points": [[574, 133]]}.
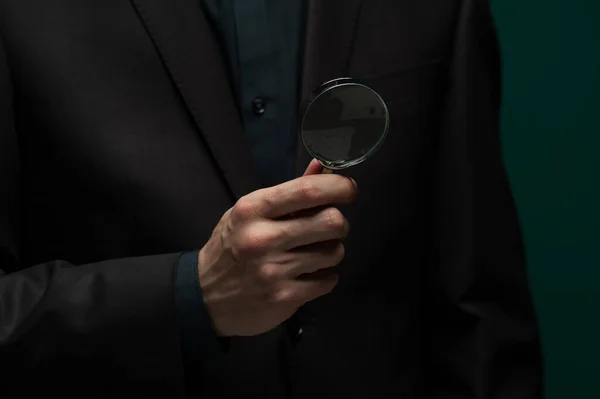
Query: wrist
{"points": [[207, 292]]}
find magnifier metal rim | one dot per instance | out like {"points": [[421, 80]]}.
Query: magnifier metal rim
{"points": [[326, 87]]}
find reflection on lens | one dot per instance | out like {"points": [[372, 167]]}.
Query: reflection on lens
{"points": [[344, 124]]}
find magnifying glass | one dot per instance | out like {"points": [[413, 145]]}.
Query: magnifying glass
{"points": [[343, 123]]}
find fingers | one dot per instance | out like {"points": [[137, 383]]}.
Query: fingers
{"points": [[264, 237], [313, 189], [307, 288], [303, 193], [309, 272], [306, 261], [316, 285], [314, 168], [319, 225]]}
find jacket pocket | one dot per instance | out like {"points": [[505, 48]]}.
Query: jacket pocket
{"points": [[409, 91]]}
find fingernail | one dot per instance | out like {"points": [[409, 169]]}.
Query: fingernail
{"points": [[354, 182]]}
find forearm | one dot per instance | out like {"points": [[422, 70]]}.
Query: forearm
{"points": [[113, 319]]}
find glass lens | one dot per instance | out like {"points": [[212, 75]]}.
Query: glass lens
{"points": [[344, 124]]}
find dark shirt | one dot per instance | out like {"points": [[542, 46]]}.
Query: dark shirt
{"points": [[261, 42]]}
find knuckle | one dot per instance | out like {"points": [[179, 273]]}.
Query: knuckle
{"points": [[283, 296], [254, 242], [268, 273], [335, 220], [268, 198], [307, 190], [244, 209]]}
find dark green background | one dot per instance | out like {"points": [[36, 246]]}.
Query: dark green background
{"points": [[551, 132]]}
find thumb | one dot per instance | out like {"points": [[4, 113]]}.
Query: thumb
{"points": [[314, 168]]}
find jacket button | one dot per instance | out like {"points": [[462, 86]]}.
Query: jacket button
{"points": [[259, 106]]}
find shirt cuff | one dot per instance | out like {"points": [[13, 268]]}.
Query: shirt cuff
{"points": [[198, 339]]}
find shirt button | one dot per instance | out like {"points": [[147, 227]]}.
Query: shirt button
{"points": [[259, 107]]}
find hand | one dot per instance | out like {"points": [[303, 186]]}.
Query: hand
{"points": [[261, 264]]}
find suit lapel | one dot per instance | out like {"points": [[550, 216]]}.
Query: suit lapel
{"points": [[330, 29], [187, 46], [190, 53]]}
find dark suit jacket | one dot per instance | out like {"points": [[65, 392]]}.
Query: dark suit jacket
{"points": [[121, 147]]}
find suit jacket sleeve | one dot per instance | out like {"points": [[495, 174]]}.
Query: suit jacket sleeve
{"points": [[108, 327], [482, 329], [199, 342]]}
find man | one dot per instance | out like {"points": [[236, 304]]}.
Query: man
{"points": [[155, 238]]}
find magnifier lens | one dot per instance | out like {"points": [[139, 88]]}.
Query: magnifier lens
{"points": [[344, 122]]}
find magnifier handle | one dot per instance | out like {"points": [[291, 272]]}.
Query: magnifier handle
{"points": [[327, 171]]}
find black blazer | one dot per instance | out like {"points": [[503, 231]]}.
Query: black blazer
{"points": [[121, 146]]}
